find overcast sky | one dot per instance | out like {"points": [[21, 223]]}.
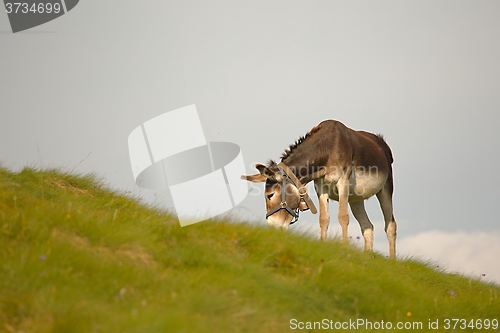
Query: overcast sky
{"points": [[425, 74]]}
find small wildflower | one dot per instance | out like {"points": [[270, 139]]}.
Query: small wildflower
{"points": [[452, 293], [119, 295], [408, 314], [43, 257]]}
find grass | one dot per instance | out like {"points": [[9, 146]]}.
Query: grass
{"points": [[77, 257]]}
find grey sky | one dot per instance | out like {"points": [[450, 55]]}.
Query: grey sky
{"points": [[426, 74]]}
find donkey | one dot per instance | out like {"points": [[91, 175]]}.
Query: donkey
{"points": [[346, 165]]}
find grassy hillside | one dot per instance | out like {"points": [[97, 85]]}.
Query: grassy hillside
{"points": [[75, 257]]}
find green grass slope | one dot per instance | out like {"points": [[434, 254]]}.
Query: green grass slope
{"points": [[76, 257]]}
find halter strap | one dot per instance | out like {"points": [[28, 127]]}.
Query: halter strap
{"points": [[302, 189], [288, 175], [283, 204]]}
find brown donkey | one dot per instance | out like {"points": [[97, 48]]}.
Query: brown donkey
{"points": [[347, 166]]}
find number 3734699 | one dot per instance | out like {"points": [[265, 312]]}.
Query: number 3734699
{"points": [[477, 324], [35, 8]]}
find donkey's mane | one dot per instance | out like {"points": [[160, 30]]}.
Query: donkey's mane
{"points": [[294, 146], [271, 163], [288, 152]]}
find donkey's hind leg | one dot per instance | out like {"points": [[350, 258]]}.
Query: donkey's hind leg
{"points": [[385, 199], [359, 212]]}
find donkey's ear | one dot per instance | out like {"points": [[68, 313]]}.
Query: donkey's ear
{"points": [[268, 173], [264, 171], [259, 177]]}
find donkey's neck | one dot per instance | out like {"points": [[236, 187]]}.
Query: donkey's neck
{"points": [[306, 158]]}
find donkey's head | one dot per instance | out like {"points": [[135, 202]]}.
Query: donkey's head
{"points": [[282, 197]]}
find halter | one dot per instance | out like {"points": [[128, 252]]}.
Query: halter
{"points": [[288, 175]]}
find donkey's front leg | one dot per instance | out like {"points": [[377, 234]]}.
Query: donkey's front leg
{"points": [[343, 190], [324, 215]]}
